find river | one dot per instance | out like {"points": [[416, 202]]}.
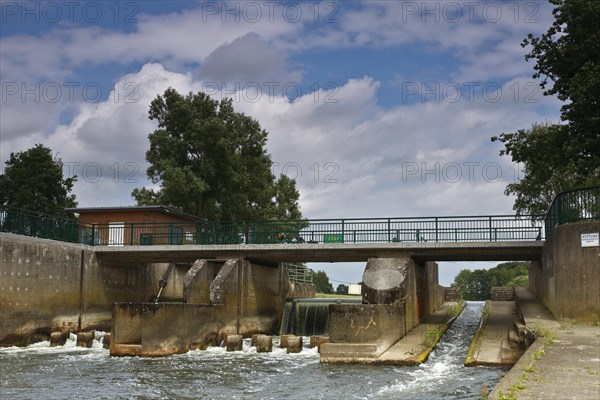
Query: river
{"points": [[68, 372]]}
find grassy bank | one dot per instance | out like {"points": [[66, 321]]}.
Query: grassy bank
{"points": [[336, 296]]}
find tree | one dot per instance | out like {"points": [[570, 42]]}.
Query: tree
{"points": [[477, 284], [34, 180], [561, 157], [341, 289], [321, 282], [211, 161]]}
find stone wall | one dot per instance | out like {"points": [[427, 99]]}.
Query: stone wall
{"points": [[452, 294], [51, 286], [502, 293], [567, 279]]}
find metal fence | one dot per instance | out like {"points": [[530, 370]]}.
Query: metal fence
{"points": [[574, 205], [369, 230], [299, 273], [30, 223]]}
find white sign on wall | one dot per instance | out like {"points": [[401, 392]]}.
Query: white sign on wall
{"points": [[590, 239]]}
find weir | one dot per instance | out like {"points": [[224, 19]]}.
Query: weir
{"points": [[309, 317]]}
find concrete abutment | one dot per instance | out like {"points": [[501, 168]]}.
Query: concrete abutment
{"points": [[398, 293]]}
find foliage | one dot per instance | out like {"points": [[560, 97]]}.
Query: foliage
{"points": [[561, 157], [477, 284], [33, 180], [321, 282], [341, 289], [211, 161]]}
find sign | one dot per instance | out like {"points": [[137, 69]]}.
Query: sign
{"points": [[333, 238], [590, 239]]}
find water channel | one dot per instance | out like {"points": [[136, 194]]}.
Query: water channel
{"points": [[41, 372]]}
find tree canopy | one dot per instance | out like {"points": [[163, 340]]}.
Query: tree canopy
{"points": [[321, 282], [566, 156], [34, 180], [341, 289], [211, 161], [477, 284]]}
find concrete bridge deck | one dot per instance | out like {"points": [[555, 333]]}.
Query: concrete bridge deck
{"points": [[324, 252]]}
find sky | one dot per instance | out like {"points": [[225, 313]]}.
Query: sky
{"points": [[376, 108]]}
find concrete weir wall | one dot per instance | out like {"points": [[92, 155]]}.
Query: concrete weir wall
{"points": [[219, 298], [49, 286], [398, 293], [567, 279]]}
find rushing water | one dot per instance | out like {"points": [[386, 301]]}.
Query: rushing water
{"points": [[69, 372]]}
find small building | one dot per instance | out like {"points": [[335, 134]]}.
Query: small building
{"points": [[137, 225], [355, 288]]}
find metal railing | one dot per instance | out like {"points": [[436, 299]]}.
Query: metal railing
{"points": [[36, 224], [299, 273], [570, 206], [331, 231], [573, 205]]}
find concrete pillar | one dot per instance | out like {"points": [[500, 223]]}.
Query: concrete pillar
{"points": [[234, 342], [283, 341], [317, 341], [254, 337], [294, 344], [207, 340], [85, 339], [58, 338], [384, 280], [106, 341], [264, 344]]}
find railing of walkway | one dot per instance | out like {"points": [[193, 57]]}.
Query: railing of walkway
{"points": [[368, 230], [31, 223], [574, 205]]}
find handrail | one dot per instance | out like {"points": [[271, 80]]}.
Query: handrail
{"points": [[332, 231], [572, 206]]}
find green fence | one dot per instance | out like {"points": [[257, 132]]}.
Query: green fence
{"points": [[30, 223], [329, 231], [573, 205]]}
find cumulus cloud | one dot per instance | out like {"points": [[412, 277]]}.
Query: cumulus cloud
{"points": [[246, 59]]}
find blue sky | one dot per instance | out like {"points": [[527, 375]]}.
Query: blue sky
{"points": [[382, 99]]}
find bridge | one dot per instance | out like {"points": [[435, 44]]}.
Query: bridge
{"points": [[223, 280], [271, 254], [453, 238]]}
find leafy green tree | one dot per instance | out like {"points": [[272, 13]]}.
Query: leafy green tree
{"points": [[341, 289], [519, 281], [321, 282], [541, 151], [477, 284], [561, 157], [211, 161], [33, 180]]}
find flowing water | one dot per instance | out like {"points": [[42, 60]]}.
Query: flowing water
{"points": [[69, 372], [308, 317]]}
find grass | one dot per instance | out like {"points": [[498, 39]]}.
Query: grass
{"points": [[529, 369], [456, 309], [502, 396], [336, 296], [548, 334], [432, 336]]}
